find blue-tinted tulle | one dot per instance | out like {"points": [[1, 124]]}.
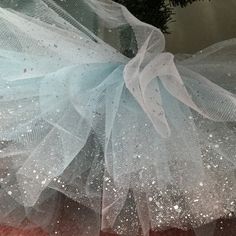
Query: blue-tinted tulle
{"points": [[141, 143]]}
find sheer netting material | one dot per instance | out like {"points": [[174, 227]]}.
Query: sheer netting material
{"points": [[144, 143]]}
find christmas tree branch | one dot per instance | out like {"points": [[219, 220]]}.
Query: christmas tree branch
{"points": [[155, 12]]}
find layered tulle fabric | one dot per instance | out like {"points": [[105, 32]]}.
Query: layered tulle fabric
{"points": [[142, 143]]}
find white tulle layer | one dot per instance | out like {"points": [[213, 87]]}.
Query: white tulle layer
{"points": [[147, 142]]}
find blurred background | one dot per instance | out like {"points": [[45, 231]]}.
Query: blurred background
{"points": [[201, 24]]}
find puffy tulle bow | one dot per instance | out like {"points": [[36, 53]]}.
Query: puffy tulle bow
{"points": [[141, 77], [143, 73]]}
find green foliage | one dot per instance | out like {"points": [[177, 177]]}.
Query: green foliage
{"points": [[182, 3], [155, 12]]}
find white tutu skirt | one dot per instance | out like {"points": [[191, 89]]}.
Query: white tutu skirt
{"points": [[143, 144]]}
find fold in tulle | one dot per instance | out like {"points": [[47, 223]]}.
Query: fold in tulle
{"points": [[145, 143]]}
